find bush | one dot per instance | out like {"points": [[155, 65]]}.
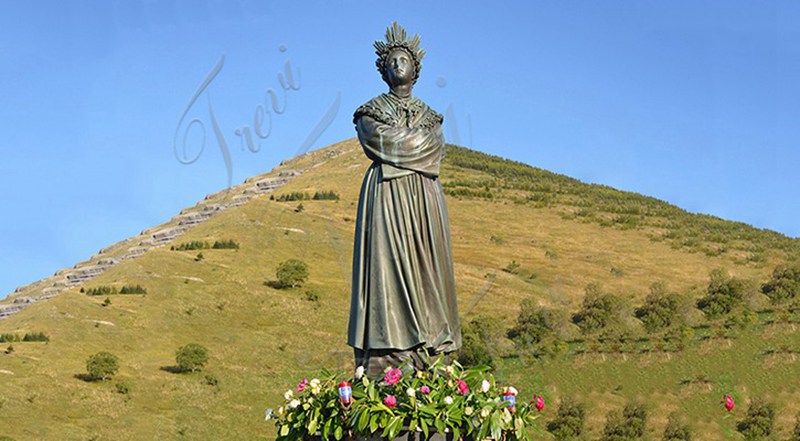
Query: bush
{"points": [[600, 311], [292, 273], [725, 293], [211, 380], [676, 430], [193, 245], [226, 244], [759, 421], [569, 420], [479, 338], [133, 289], [784, 284], [326, 195], [661, 309], [101, 290], [535, 323], [626, 425], [191, 357], [102, 365], [122, 388]]}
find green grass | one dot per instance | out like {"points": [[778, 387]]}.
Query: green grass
{"points": [[262, 340]]}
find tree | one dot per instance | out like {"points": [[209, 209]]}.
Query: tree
{"points": [[102, 365], [191, 357], [569, 420], [783, 285], [535, 324], [759, 420], [292, 273]]}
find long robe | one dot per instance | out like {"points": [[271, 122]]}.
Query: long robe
{"points": [[403, 286]]}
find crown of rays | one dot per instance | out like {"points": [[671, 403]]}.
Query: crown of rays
{"points": [[396, 38]]}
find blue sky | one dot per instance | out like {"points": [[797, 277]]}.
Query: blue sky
{"points": [[692, 102]]}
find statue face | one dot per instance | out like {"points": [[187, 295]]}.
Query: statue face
{"points": [[399, 67]]}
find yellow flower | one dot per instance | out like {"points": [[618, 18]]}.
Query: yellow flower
{"points": [[288, 395]]}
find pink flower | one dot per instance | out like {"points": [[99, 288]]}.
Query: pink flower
{"points": [[462, 387], [425, 390], [539, 403], [390, 401], [302, 385], [728, 402], [392, 376]]}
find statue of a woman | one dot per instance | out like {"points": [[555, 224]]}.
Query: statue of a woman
{"points": [[403, 294]]}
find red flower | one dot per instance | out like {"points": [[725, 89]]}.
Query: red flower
{"points": [[728, 402], [392, 376], [302, 385], [390, 401], [462, 387], [425, 390]]}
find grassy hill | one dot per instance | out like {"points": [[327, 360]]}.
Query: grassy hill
{"points": [[557, 233]]}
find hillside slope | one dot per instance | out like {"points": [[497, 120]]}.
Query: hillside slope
{"points": [[563, 234]]}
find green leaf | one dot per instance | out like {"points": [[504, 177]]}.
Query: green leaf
{"points": [[373, 423], [312, 426], [424, 425], [338, 433], [284, 430]]}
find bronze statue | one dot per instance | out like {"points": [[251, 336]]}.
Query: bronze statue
{"points": [[403, 293]]}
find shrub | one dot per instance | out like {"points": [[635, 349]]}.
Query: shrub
{"points": [[211, 380], [600, 311], [661, 309], [759, 420], [8, 337], [676, 430], [626, 425], [101, 290], [569, 420], [535, 323], [193, 245], [102, 365], [199, 257], [724, 294], [292, 273], [133, 289], [479, 338], [107, 301], [226, 244], [326, 195], [312, 296], [191, 357], [122, 388], [512, 268], [784, 284]]}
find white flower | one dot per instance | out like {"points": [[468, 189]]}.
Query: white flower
{"points": [[410, 391], [448, 400], [468, 411], [485, 385], [288, 395], [315, 386], [449, 369], [484, 412], [292, 404], [281, 411], [420, 374], [268, 415], [359, 372]]}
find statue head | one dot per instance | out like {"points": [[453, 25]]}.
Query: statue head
{"points": [[399, 59]]}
